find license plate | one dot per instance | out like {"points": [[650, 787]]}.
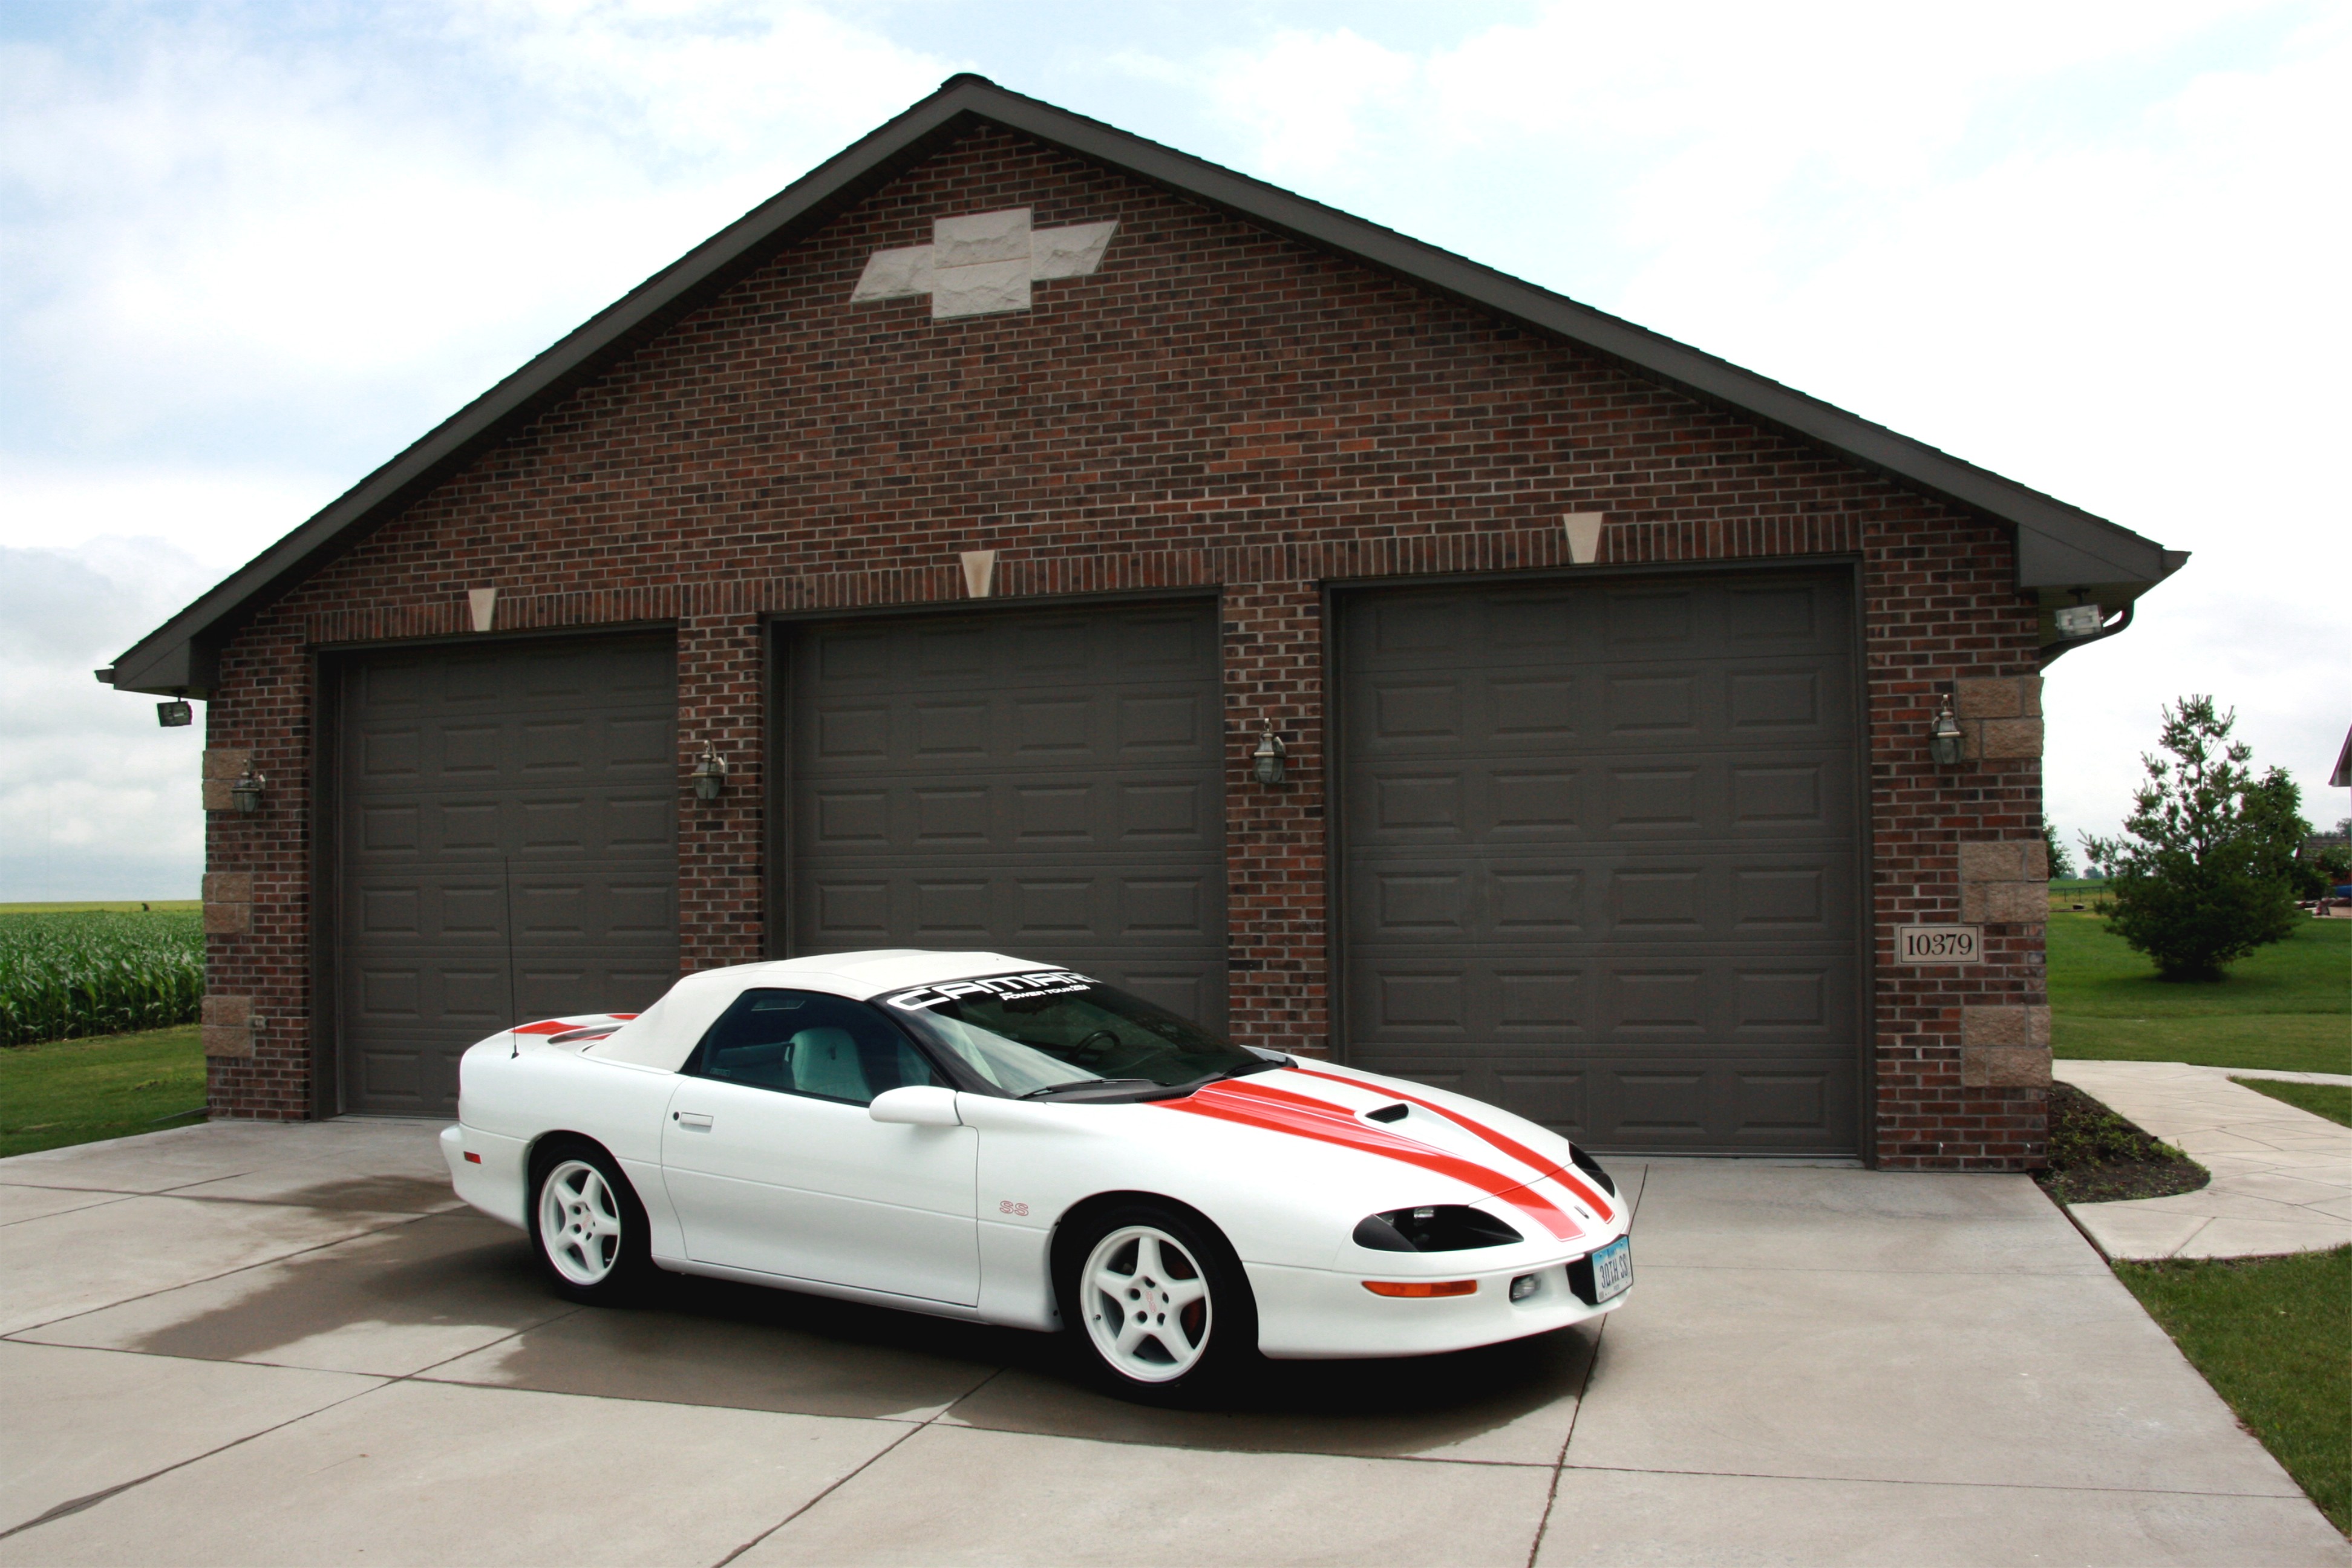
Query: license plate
{"points": [[1612, 1269]]}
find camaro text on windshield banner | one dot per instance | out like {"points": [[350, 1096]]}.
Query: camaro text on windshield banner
{"points": [[1037, 983]]}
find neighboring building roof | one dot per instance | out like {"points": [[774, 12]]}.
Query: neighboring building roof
{"points": [[2064, 553], [2342, 777]]}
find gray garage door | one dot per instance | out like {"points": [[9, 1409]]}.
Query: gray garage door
{"points": [[1043, 783], [1600, 856], [509, 851]]}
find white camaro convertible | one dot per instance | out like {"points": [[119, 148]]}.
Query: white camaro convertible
{"points": [[966, 1134]]}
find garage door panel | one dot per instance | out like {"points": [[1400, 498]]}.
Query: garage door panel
{"points": [[1006, 905], [641, 823], [1781, 615], [384, 691], [1618, 895], [1605, 866], [970, 812], [640, 747], [1164, 645], [623, 821], [1048, 784], [1054, 729], [1475, 800], [473, 893], [1654, 991], [1015, 737], [953, 815]]}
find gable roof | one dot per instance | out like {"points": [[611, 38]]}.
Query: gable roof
{"points": [[2062, 552]]}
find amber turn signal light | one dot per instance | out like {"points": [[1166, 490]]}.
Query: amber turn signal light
{"points": [[1423, 1287]]}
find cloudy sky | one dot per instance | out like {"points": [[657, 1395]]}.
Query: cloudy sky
{"points": [[247, 252]]}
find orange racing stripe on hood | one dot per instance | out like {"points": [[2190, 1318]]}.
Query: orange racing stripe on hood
{"points": [[1272, 1109], [1572, 1180]]}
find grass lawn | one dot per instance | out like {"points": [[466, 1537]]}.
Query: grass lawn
{"points": [[77, 1092], [118, 907], [2274, 1336], [2287, 1006], [2333, 1100]]}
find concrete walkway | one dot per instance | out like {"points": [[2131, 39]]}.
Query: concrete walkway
{"points": [[2282, 1177], [244, 1345]]}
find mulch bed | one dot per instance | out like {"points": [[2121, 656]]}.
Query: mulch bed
{"points": [[2096, 1156]]}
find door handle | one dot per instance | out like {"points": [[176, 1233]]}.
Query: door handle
{"points": [[691, 1120]]}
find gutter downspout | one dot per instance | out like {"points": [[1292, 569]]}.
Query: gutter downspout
{"points": [[2050, 655]]}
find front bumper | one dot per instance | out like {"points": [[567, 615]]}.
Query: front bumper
{"points": [[1319, 1313]]}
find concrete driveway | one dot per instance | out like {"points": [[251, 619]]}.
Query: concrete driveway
{"points": [[246, 1344]]}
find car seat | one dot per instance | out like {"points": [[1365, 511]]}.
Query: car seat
{"points": [[826, 1062]]}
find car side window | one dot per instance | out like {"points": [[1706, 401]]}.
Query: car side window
{"points": [[806, 1042]]}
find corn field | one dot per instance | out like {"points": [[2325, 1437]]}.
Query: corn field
{"points": [[66, 975]]}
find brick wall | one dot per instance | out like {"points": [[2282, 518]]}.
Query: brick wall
{"points": [[1218, 406]]}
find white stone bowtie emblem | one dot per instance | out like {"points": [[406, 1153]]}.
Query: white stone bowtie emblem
{"points": [[982, 264]]}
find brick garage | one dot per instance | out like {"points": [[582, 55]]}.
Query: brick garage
{"points": [[1246, 402]]}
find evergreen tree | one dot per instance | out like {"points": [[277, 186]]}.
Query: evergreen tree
{"points": [[2061, 864], [2199, 877]]}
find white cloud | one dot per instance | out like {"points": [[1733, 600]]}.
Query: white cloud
{"points": [[1305, 96], [2092, 247], [244, 264], [96, 800], [210, 519], [212, 229], [757, 83]]}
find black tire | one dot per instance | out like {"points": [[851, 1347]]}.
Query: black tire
{"points": [[1187, 1346], [597, 1255]]}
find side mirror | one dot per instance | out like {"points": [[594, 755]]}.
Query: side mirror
{"points": [[918, 1105]]}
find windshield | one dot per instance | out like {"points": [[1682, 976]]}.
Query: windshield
{"points": [[1043, 1032]]}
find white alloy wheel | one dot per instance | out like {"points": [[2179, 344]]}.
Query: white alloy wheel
{"points": [[1147, 1303], [579, 1223]]}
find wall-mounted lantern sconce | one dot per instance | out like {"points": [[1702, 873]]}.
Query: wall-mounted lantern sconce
{"points": [[246, 793], [1268, 756], [1944, 736], [710, 774]]}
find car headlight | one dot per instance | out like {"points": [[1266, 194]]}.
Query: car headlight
{"points": [[1439, 1228]]}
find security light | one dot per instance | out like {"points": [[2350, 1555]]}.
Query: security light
{"points": [[175, 714], [2080, 620]]}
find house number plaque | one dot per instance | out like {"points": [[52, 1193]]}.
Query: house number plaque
{"points": [[1938, 944]]}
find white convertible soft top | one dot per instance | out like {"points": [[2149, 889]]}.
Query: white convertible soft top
{"points": [[664, 1034]]}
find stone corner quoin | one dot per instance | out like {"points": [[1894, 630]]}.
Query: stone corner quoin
{"points": [[1214, 414]]}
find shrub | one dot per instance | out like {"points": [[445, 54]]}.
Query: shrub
{"points": [[2202, 874]]}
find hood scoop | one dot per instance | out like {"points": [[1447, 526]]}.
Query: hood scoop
{"points": [[1396, 1112]]}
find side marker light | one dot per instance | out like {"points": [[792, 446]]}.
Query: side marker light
{"points": [[472, 1158], [1423, 1287]]}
